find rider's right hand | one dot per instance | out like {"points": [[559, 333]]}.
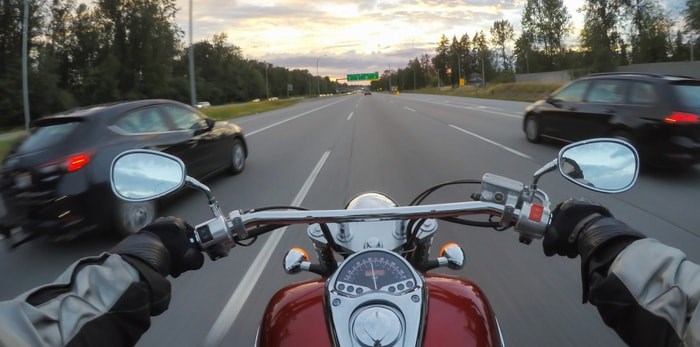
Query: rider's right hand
{"points": [[163, 245], [579, 226]]}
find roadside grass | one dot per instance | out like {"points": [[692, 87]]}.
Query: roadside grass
{"points": [[229, 111], [4, 147], [525, 91]]}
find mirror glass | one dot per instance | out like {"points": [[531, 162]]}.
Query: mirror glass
{"points": [[146, 175], [609, 166]]}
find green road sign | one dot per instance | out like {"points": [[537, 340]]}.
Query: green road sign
{"points": [[363, 76]]}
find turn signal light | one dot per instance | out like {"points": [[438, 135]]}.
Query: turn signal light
{"points": [[682, 118], [77, 161], [445, 246]]}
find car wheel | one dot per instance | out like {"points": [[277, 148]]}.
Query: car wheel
{"points": [[131, 216], [532, 129], [237, 157]]}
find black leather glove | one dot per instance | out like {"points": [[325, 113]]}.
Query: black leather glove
{"points": [[164, 245], [583, 227], [569, 219]]}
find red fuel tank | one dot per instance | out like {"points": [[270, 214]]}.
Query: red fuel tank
{"points": [[458, 315]]}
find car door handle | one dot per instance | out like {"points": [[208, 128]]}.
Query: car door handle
{"points": [[610, 110]]}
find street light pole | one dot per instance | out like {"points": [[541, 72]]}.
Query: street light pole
{"points": [[25, 82], [414, 78], [459, 68], [483, 73], [267, 84], [193, 91], [389, 78], [318, 85]]}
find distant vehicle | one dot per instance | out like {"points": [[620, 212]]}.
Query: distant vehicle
{"points": [[255, 100], [367, 92], [203, 104], [658, 114], [55, 180], [273, 98]]}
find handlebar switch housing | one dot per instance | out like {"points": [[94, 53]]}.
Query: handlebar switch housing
{"points": [[534, 217], [500, 190]]}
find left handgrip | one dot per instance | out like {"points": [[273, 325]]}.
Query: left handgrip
{"points": [[214, 238]]}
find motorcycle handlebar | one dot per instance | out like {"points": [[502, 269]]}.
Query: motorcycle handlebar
{"points": [[221, 231]]}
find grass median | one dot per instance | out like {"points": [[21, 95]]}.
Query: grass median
{"points": [[229, 111], [524, 91]]}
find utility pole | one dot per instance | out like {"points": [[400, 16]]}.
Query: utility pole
{"points": [[459, 68], [193, 91], [414, 78], [318, 79], [25, 82], [483, 73], [389, 78], [267, 85]]}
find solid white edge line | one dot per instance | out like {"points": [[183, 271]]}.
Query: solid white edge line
{"points": [[233, 307], [288, 119], [350, 116], [492, 142], [447, 103], [410, 109]]}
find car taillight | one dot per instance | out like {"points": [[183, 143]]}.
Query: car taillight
{"points": [[77, 161], [682, 118]]}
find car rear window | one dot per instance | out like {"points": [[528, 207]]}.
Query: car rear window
{"points": [[688, 93], [47, 135]]}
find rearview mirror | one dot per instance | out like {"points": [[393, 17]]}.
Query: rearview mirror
{"points": [[602, 165], [141, 175]]}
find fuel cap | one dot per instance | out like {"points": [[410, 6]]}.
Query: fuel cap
{"points": [[377, 326]]}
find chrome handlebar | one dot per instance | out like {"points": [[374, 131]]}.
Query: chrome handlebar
{"points": [[218, 235]]}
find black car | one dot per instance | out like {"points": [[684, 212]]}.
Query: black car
{"points": [[658, 114], [55, 181]]}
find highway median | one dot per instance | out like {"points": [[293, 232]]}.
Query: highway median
{"points": [[523, 91]]}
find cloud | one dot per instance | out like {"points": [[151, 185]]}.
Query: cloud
{"points": [[362, 35]]}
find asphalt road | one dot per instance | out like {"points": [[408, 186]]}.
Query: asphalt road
{"points": [[323, 152]]}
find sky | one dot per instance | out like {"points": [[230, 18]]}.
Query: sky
{"points": [[356, 36]]}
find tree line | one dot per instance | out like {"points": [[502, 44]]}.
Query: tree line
{"points": [[132, 49], [123, 50], [615, 32]]}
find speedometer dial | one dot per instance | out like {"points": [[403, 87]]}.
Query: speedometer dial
{"points": [[373, 271]]}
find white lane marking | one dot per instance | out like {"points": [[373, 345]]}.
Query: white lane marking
{"points": [[240, 295], [350, 116], [492, 142], [447, 103], [288, 119], [410, 109], [356, 105]]}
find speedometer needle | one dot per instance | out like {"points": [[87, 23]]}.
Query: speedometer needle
{"points": [[374, 277]]}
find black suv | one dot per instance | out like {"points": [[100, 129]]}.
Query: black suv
{"points": [[55, 181], [658, 114]]}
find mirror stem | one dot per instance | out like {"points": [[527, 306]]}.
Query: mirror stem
{"points": [[213, 204], [549, 167]]}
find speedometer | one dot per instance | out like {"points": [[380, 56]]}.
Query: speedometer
{"points": [[374, 271]]}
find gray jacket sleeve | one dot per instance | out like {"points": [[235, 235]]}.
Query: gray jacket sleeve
{"points": [[650, 295], [98, 301]]}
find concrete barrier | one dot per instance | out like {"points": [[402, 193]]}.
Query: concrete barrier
{"points": [[681, 68]]}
